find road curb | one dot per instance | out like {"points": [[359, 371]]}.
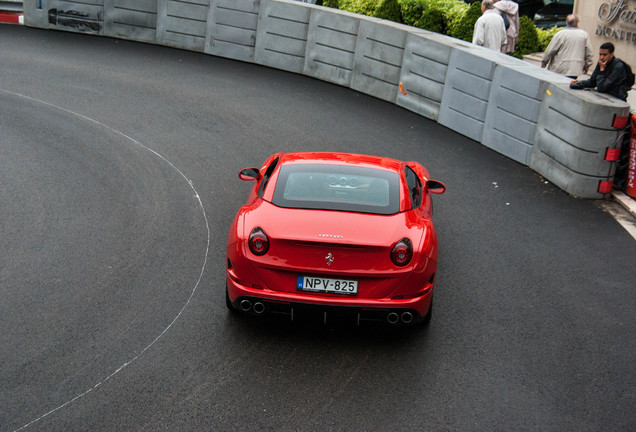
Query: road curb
{"points": [[626, 201]]}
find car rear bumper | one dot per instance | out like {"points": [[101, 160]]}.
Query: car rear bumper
{"points": [[298, 305]]}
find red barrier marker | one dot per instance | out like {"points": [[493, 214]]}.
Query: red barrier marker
{"points": [[10, 18], [605, 187]]}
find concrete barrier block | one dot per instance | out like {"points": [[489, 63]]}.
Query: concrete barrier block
{"points": [[577, 185], [281, 37], [378, 58], [467, 91], [80, 17], [35, 14], [231, 29], [513, 109], [331, 45], [182, 25], [423, 74], [574, 131], [588, 107], [131, 19]]}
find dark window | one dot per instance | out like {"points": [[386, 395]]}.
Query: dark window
{"points": [[266, 177], [415, 187], [337, 187]]}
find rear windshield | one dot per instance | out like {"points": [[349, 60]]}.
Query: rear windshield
{"points": [[337, 187]]}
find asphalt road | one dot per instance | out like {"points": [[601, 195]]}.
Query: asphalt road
{"points": [[118, 182]]}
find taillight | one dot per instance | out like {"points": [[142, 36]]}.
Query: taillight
{"points": [[402, 252], [258, 241]]}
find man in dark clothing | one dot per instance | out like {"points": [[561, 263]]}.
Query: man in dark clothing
{"points": [[609, 75]]}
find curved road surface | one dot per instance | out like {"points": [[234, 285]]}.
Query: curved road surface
{"points": [[118, 182]]}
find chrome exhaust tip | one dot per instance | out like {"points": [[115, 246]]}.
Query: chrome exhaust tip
{"points": [[245, 305], [407, 317], [259, 308], [392, 318]]}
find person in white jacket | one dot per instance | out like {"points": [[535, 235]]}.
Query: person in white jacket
{"points": [[569, 52], [490, 30], [509, 11]]}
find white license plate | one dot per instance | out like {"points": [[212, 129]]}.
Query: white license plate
{"points": [[325, 285]]}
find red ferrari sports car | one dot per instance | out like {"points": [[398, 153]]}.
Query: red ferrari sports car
{"points": [[338, 233]]}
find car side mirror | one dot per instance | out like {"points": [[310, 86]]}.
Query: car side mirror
{"points": [[435, 187], [249, 174]]}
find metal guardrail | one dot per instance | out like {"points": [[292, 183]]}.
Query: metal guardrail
{"points": [[11, 5]]}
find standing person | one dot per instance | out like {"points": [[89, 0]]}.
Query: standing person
{"points": [[609, 75], [490, 30], [509, 11], [570, 51]]}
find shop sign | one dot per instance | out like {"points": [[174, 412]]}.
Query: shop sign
{"points": [[617, 21]]}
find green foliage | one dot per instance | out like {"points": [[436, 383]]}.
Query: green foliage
{"points": [[434, 15], [545, 36], [466, 24], [455, 13], [412, 11], [364, 7], [451, 17], [389, 10], [433, 19], [331, 3], [528, 38]]}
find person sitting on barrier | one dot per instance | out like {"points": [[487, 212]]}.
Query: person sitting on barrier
{"points": [[490, 30], [609, 75], [569, 52]]}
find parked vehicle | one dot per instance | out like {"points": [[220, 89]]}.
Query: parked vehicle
{"points": [[553, 14]]}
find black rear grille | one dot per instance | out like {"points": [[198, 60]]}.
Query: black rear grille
{"points": [[329, 315]]}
